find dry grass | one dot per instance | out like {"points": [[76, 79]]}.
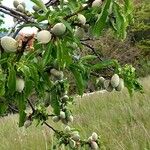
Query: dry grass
{"points": [[123, 123]]}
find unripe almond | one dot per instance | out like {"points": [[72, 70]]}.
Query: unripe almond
{"points": [[94, 136], [97, 3], [94, 145], [56, 118], [70, 118], [20, 84], [120, 86], [107, 85], [27, 123], [20, 8], [9, 44], [35, 8], [76, 137], [23, 4], [65, 98], [58, 29], [62, 115], [79, 33], [115, 80], [67, 129], [15, 3], [90, 139], [43, 36], [82, 19], [101, 80], [57, 74], [72, 143]]}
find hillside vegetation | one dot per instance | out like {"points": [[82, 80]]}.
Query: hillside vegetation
{"points": [[123, 123]]}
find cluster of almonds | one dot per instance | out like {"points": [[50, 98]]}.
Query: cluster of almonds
{"points": [[75, 138], [63, 117], [19, 6], [115, 82], [93, 141], [58, 75]]}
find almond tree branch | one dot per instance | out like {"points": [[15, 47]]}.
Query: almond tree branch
{"points": [[89, 3], [17, 13], [33, 110], [13, 15], [52, 2], [93, 49]]}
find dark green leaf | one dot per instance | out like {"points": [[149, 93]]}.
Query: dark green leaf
{"points": [[11, 79], [101, 22], [22, 107]]}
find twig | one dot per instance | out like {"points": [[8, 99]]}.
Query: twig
{"points": [[93, 49], [13, 15], [13, 109], [75, 13], [17, 13], [51, 128], [51, 3], [12, 28], [31, 105]]}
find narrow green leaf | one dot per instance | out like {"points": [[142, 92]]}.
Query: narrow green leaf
{"points": [[11, 79], [22, 107], [40, 4], [47, 55], [28, 87], [103, 64], [88, 58], [79, 80], [4, 60], [55, 103], [101, 22]]}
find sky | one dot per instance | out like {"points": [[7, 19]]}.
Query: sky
{"points": [[9, 20]]}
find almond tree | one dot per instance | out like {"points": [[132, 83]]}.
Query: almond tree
{"points": [[37, 63]]}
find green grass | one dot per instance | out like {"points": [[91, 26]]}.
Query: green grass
{"points": [[123, 123]]}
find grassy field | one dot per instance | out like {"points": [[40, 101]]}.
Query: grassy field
{"points": [[123, 123]]}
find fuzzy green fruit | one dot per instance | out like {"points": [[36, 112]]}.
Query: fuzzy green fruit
{"points": [[27, 123], [56, 118], [72, 143], [120, 86], [97, 3], [79, 33], [107, 86], [94, 145], [82, 19], [57, 74], [58, 29], [67, 129], [76, 137], [62, 115], [23, 4], [94, 136], [100, 81], [9, 44], [15, 3], [20, 84], [35, 8], [90, 139], [20, 8], [43, 36], [70, 118], [115, 80], [65, 98]]}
